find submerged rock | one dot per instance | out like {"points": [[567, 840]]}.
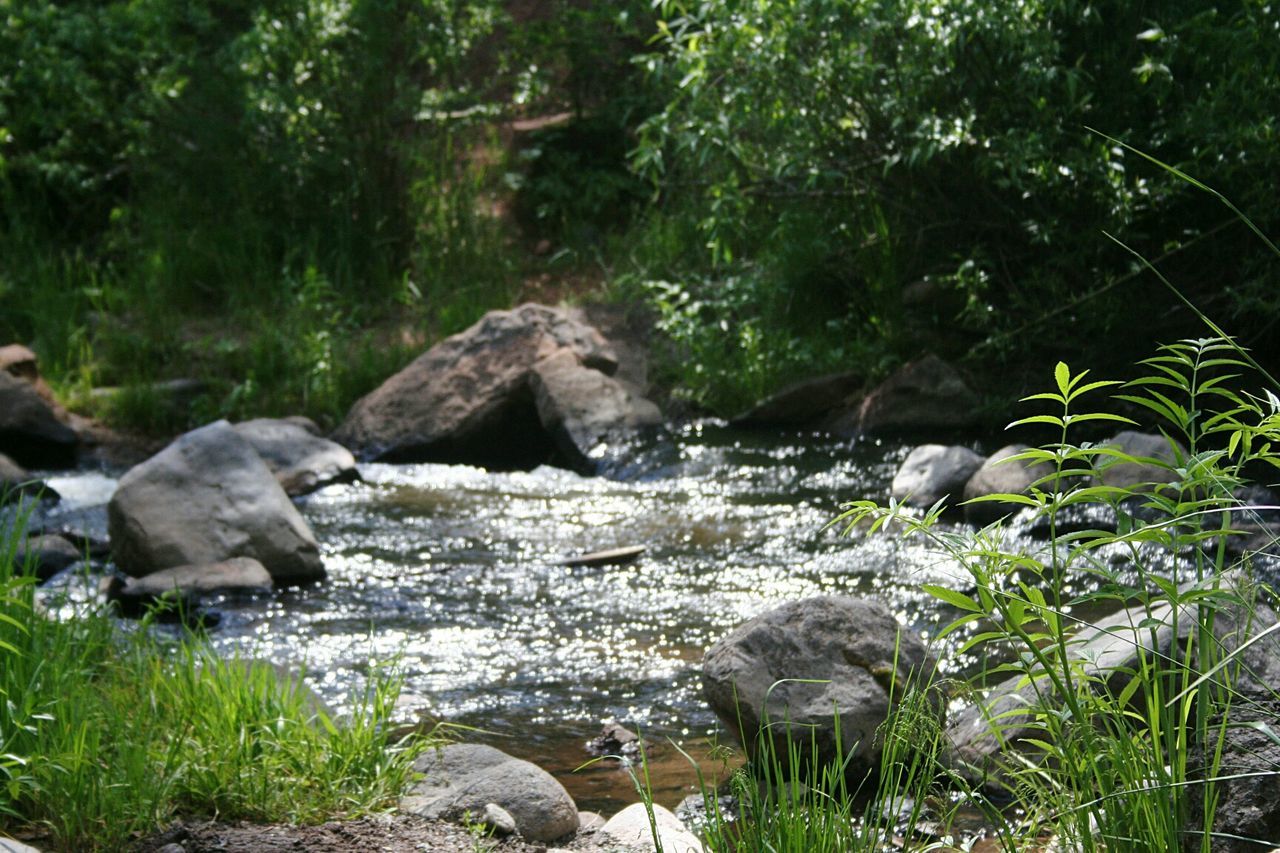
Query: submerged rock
{"points": [[806, 662], [472, 397], [206, 498], [300, 458], [461, 778], [932, 472]]}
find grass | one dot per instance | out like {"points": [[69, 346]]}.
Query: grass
{"points": [[105, 735]]}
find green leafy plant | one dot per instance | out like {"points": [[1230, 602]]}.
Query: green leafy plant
{"points": [[1135, 766]]}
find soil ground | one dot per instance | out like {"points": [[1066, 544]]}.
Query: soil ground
{"points": [[397, 833]]}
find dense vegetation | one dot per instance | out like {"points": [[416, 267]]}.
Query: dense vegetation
{"points": [[288, 197]]}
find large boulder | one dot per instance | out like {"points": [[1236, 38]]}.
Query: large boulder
{"points": [[851, 656], [30, 431], [300, 458], [1000, 476], [468, 399], [932, 472], [1154, 460], [581, 408], [462, 778], [922, 396], [205, 498]]}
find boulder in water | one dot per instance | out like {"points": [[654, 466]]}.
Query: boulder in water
{"points": [[1000, 477], [206, 498], [472, 398], [787, 674], [925, 395], [932, 472]]}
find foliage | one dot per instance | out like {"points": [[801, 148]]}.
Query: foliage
{"points": [[104, 736], [1134, 767], [886, 142]]}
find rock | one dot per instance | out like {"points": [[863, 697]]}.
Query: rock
{"points": [[498, 820], [10, 845], [16, 482], [628, 329], [1142, 445], [301, 460], [1250, 755], [187, 583], [468, 399], [206, 498], [926, 394], [589, 822], [30, 431], [631, 828], [1108, 648], [48, 555], [581, 409], [462, 778], [998, 477], [805, 403], [20, 362], [614, 740], [932, 472], [849, 645]]}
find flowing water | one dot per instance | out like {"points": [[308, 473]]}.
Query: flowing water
{"points": [[455, 573]]}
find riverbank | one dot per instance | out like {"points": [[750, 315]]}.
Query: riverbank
{"points": [[453, 564]]}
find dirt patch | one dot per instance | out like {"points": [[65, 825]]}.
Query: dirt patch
{"points": [[398, 833]]}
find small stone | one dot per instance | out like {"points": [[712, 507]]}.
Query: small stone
{"points": [[498, 819], [631, 827], [614, 740], [589, 822]]}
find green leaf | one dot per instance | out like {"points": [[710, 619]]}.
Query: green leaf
{"points": [[950, 596]]}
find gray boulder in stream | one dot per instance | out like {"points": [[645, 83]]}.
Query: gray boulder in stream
{"points": [[301, 459], [795, 668], [932, 472], [205, 498], [471, 398]]}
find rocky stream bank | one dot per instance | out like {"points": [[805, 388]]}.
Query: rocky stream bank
{"points": [[215, 512]]}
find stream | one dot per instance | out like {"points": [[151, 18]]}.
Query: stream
{"points": [[454, 573]]}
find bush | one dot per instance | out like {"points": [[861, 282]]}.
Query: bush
{"points": [[855, 148]]}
